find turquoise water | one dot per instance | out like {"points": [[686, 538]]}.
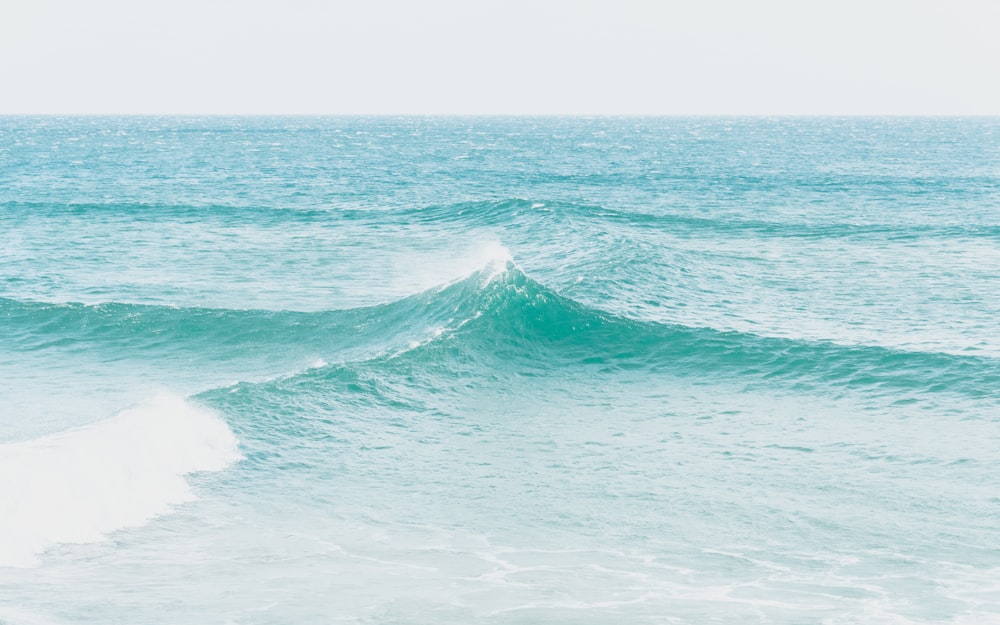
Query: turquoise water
{"points": [[454, 370]]}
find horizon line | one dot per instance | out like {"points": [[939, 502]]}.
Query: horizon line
{"points": [[514, 115]]}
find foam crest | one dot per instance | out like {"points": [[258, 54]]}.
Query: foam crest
{"points": [[494, 258], [78, 485], [491, 261]]}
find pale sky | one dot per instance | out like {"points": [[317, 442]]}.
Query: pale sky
{"points": [[490, 57]]}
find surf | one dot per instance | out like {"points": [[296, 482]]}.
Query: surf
{"points": [[83, 484]]}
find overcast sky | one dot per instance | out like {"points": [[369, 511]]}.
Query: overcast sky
{"points": [[511, 57]]}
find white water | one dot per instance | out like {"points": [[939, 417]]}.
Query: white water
{"points": [[81, 484]]}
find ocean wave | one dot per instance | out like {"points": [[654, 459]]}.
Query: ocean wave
{"points": [[499, 320], [518, 212], [494, 313], [81, 484], [535, 213], [517, 319]]}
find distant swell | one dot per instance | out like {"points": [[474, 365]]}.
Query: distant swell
{"points": [[530, 213], [79, 485], [514, 212]]}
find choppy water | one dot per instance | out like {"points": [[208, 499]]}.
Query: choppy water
{"points": [[499, 370]]}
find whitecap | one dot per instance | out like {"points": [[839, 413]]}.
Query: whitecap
{"points": [[81, 484]]}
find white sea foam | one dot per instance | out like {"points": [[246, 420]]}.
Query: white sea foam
{"points": [[79, 485], [492, 258], [496, 259]]}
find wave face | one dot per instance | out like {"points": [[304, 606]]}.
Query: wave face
{"points": [[499, 370]]}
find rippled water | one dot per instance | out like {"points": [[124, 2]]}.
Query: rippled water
{"points": [[453, 370]]}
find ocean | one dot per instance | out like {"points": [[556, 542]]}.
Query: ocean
{"points": [[276, 370]]}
